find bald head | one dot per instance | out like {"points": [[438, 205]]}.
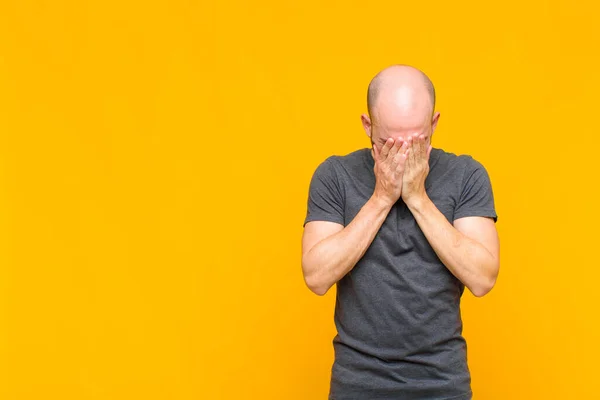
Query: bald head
{"points": [[401, 103], [400, 89]]}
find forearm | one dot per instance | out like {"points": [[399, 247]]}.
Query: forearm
{"points": [[467, 259], [332, 258]]}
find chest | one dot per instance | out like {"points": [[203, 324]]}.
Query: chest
{"points": [[400, 254], [442, 192]]}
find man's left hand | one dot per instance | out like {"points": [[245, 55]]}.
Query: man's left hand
{"points": [[416, 169]]}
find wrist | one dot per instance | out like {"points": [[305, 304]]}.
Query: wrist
{"points": [[381, 202], [418, 203]]}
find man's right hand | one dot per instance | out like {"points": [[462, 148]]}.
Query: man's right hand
{"points": [[389, 170], [330, 250]]}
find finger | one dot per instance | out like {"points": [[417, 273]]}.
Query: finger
{"points": [[422, 149], [411, 150], [417, 154], [386, 148], [418, 149], [403, 152], [405, 147], [395, 148], [400, 158], [402, 163], [407, 156]]}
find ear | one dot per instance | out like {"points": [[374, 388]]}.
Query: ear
{"points": [[434, 121], [366, 123]]}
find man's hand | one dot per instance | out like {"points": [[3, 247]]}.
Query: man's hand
{"points": [[416, 170], [389, 169]]}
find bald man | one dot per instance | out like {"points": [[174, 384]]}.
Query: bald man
{"points": [[400, 228]]}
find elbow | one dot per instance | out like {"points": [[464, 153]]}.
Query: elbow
{"points": [[318, 290], [315, 286], [481, 290], [485, 285], [312, 281]]}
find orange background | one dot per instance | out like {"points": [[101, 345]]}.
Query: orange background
{"points": [[155, 161]]}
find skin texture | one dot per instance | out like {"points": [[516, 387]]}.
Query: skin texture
{"points": [[400, 124]]}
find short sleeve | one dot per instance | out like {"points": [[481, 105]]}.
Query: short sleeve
{"points": [[476, 197], [325, 200]]}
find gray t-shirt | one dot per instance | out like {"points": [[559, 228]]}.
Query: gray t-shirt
{"points": [[397, 313]]}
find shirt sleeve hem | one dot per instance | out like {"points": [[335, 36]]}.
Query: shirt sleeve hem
{"points": [[323, 218], [477, 213]]}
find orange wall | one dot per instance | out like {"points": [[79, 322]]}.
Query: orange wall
{"points": [[155, 161]]}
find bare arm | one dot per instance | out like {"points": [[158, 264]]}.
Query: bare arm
{"points": [[330, 251], [469, 249]]}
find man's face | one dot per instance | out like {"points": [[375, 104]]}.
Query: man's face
{"points": [[401, 129], [380, 135]]}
